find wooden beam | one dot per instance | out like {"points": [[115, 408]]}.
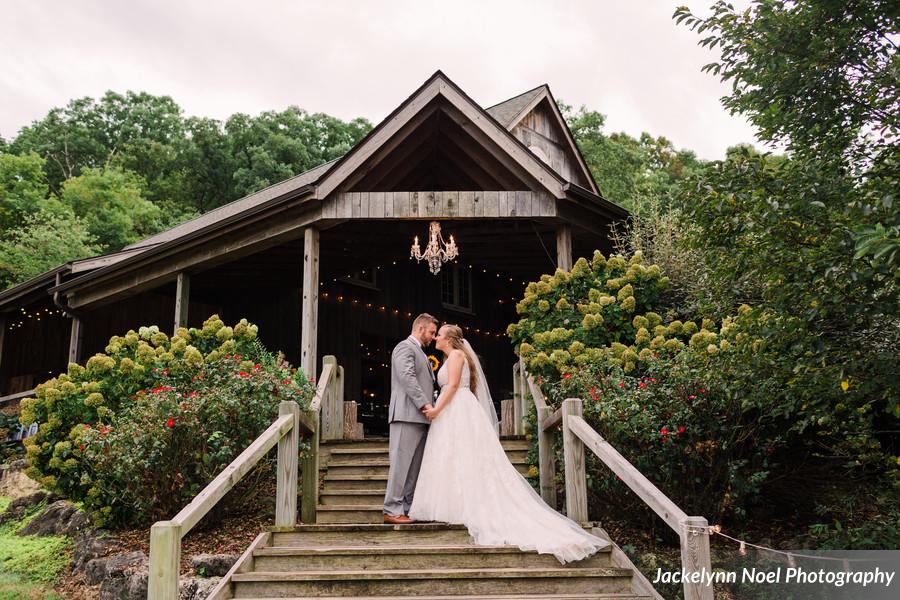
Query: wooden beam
{"points": [[75, 338], [509, 175], [564, 247], [395, 155], [220, 247], [182, 300], [481, 126], [310, 319], [2, 340], [373, 160], [576, 475], [552, 419], [448, 205]]}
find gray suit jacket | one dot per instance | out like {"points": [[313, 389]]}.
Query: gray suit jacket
{"points": [[411, 383]]}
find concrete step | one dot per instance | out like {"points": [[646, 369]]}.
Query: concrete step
{"points": [[433, 581], [361, 496], [399, 557]]}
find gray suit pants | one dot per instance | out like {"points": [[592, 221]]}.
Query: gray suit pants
{"points": [[407, 444]]}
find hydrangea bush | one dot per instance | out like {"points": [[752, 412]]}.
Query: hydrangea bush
{"points": [[708, 411], [138, 431]]}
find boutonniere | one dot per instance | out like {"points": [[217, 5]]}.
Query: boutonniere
{"points": [[435, 363]]}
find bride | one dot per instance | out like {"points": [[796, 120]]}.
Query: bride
{"points": [[466, 477]]}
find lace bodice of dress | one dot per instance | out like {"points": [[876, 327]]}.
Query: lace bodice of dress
{"points": [[443, 376]]}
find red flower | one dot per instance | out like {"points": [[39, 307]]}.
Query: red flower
{"points": [[681, 429], [170, 423], [664, 431], [621, 384], [193, 395], [652, 380], [256, 366], [594, 392], [691, 397], [82, 447], [665, 439], [242, 374], [227, 356], [642, 385], [238, 356], [286, 381], [165, 373], [702, 390]]}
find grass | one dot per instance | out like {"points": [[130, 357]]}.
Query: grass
{"points": [[30, 565]]}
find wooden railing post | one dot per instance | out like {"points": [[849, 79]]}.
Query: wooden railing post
{"points": [[546, 462], [286, 490], [165, 560], [695, 556], [518, 423], [576, 476], [333, 403], [309, 497]]}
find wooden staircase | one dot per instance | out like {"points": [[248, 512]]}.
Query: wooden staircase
{"points": [[351, 553]]}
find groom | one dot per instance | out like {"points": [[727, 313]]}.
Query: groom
{"points": [[412, 389]]}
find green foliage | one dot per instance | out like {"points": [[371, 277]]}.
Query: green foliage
{"points": [[45, 240], [23, 187], [275, 146], [28, 561], [877, 533], [186, 165], [738, 389], [137, 432], [631, 172], [110, 201]]}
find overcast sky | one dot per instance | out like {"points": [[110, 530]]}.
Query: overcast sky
{"points": [[626, 59]]}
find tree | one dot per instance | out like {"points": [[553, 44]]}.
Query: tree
{"points": [[50, 237], [821, 78], [782, 233], [136, 131], [275, 146], [23, 187], [635, 173], [111, 203]]}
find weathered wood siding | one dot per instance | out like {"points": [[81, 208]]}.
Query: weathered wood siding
{"points": [[539, 128]]}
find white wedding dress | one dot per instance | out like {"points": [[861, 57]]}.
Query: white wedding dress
{"points": [[466, 478]]}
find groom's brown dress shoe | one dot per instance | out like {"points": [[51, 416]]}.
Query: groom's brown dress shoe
{"points": [[398, 519]]}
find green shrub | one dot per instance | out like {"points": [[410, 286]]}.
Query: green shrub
{"points": [[597, 333], [137, 432]]}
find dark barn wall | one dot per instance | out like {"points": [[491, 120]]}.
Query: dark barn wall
{"points": [[36, 351], [362, 337]]}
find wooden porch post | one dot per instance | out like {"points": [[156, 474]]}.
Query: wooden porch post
{"points": [[75, 340], [182, 298], [310, 319], [2, 339], [564, 247]]}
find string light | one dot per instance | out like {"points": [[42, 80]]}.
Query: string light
{"points": [[790, 556], [26, 316]]}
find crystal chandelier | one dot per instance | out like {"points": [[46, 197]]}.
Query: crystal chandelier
{"points": [[437, 251]]}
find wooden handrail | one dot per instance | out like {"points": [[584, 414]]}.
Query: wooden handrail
{"points": [[552, 421], [188, 516], [578, 434], [165, 536], [16, 396], [321, 388], [667, 510]]}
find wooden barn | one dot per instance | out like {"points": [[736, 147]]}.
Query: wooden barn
{"points": [[321, 262]]}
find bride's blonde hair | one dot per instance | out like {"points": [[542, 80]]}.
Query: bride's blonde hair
{"points": [[454, 336]]}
